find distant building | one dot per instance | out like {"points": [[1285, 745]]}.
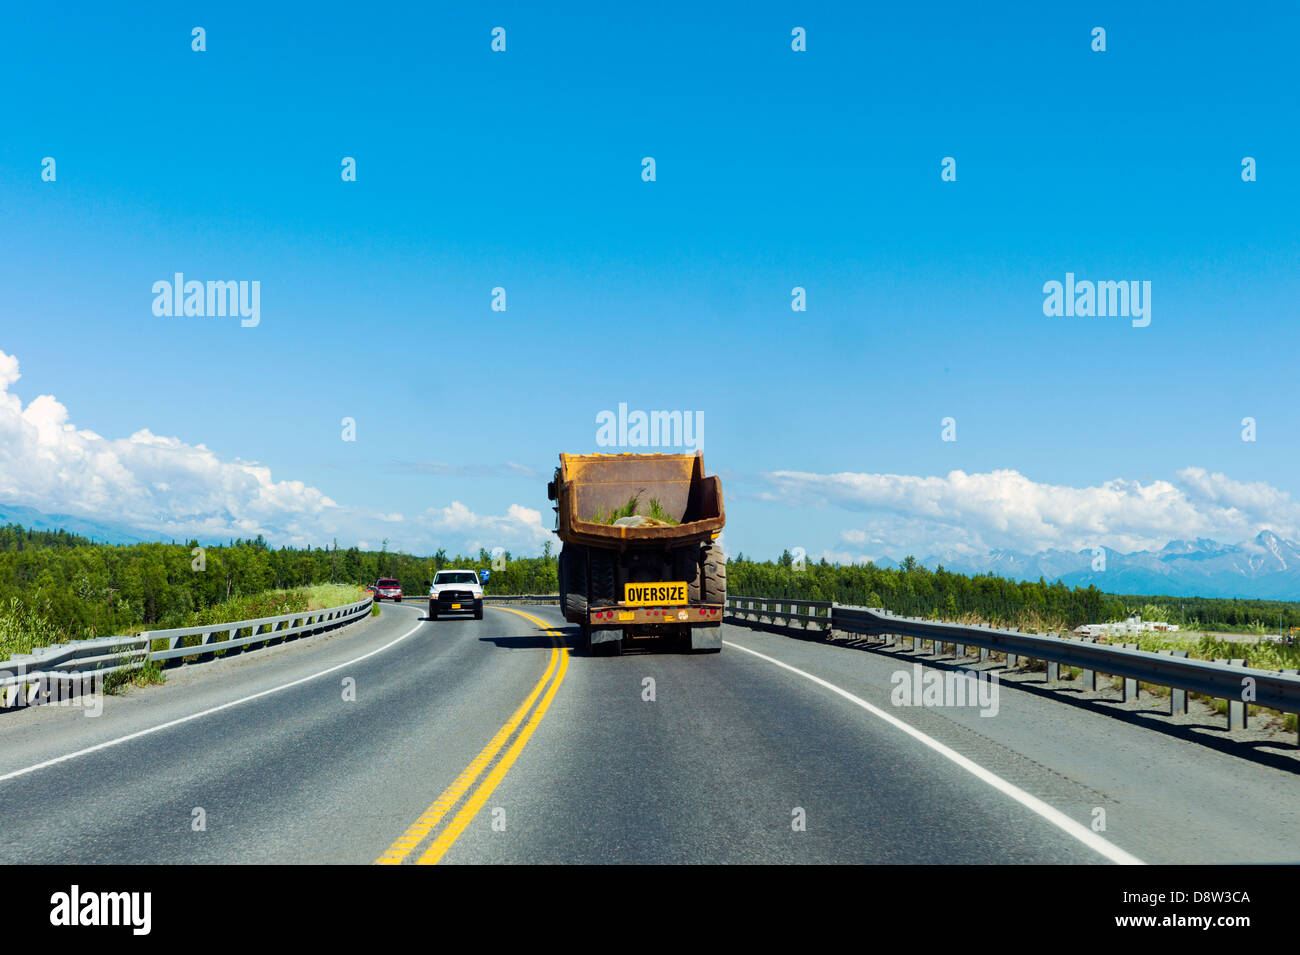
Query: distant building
{"points": [[1133, 625]]}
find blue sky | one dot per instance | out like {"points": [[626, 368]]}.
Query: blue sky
{"points": [[775, 169]]}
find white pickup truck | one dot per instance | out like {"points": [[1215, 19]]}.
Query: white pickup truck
{"points": [[455, 591]]}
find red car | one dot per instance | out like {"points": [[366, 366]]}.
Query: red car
{"points": [[386, 588]]}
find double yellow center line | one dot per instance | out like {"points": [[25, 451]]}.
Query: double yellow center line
{"points": [[420, 830]]}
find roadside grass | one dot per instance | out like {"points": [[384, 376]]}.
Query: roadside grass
{"points": [[24, 626], [274, 603], [1262, 655], [149, 673], [322, 596], [270, 603]]}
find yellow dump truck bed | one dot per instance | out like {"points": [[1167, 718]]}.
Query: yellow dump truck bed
{"points": [[589, 484]]}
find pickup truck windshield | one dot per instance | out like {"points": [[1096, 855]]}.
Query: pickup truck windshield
{"points": [[456, 577]]}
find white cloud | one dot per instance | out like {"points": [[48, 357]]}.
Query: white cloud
{"points": [[518, 526], [971, 514], [168, 487]]}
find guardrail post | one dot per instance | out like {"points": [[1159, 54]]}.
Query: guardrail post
{"points": [[1088, 678], [1237, 711], [959, 651], [1297, 716], [1177, 697], [1053, 671], [1130, 686]]}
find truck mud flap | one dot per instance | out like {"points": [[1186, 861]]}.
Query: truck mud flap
{"points": [[706, 638]]}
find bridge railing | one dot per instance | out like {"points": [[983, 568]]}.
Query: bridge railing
{"points": [[52, 671]]}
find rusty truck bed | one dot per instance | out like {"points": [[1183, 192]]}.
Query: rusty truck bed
{"points": [[587, 483]]}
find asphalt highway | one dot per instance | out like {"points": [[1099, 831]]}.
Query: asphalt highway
{"points": [[401, 740]]}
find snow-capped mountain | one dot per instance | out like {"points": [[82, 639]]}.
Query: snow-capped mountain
{"points": [[1266, 567]]}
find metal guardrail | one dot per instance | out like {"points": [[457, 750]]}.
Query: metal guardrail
{"points": [[1221, 679], [756, 609], [48, 672]]}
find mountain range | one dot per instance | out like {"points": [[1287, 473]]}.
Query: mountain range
{"points": [[1265, 567], [98, 531]]}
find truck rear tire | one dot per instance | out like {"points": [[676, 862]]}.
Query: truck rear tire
{"points": [[603, 577], [575, 609], [686, 566], [572, 572], [715, 575]]}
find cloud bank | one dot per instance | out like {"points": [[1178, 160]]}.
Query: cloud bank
{"points": [[170, 488], [971, 514]]}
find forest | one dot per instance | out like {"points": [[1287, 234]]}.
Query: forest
{"points": [[83, 589], [75, 588]]}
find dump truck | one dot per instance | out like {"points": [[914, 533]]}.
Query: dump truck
{"points": [[640, 556]]}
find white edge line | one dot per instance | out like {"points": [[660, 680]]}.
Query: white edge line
{"points": [[1057, 818], [208, 712]]}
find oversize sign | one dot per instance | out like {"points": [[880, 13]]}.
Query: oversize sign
{"points": [[647, 595]]}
